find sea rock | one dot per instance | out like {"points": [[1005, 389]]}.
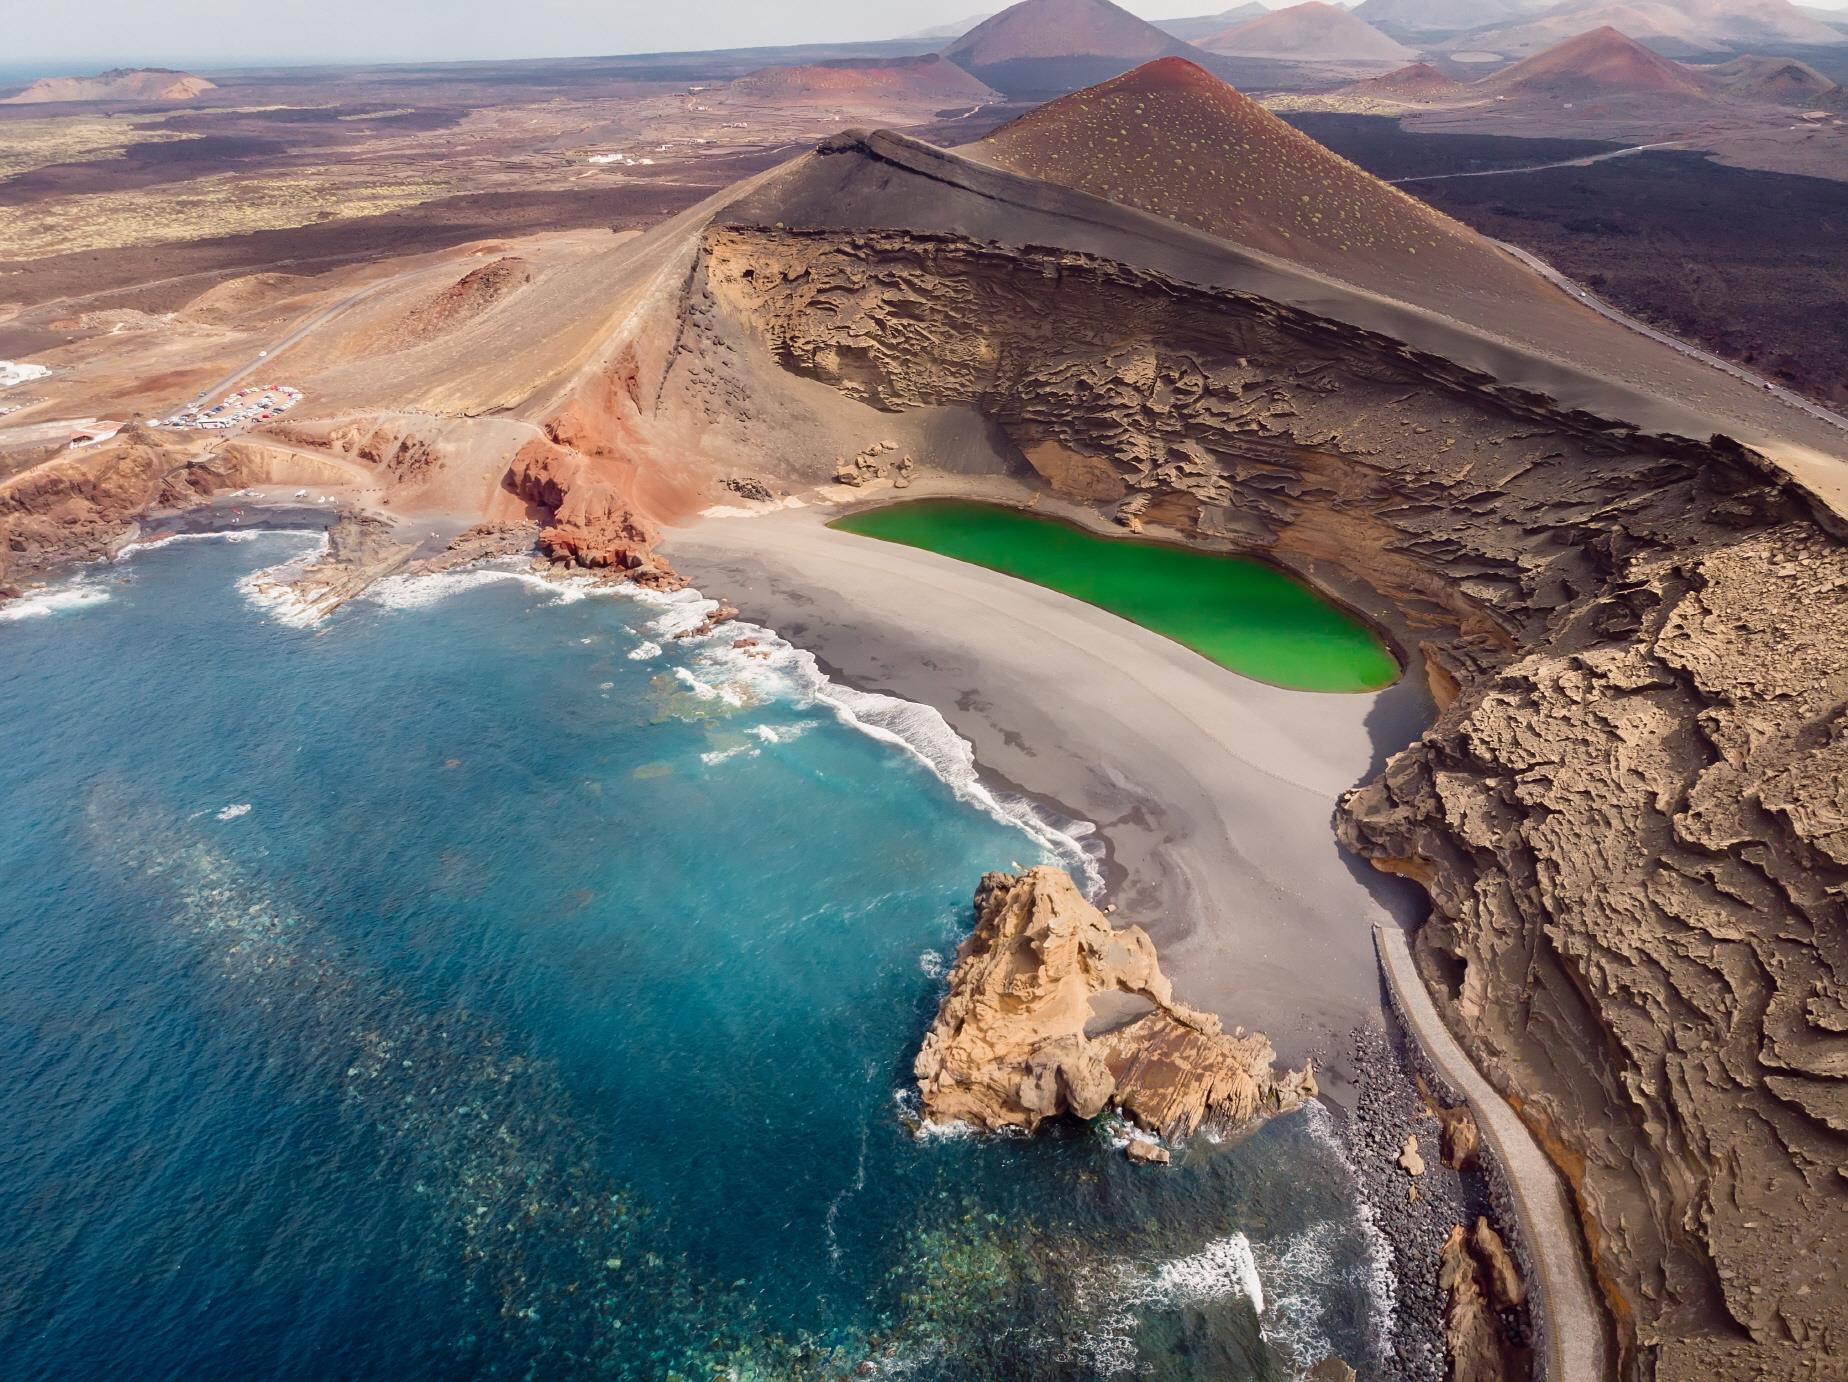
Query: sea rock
{"points": [[593, 525], [1332, 1370], [482, 542], [1148, 1153], [1051, 1011]]}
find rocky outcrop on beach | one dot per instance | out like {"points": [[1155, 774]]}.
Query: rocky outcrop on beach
{"points": [[1052, 1011], [361, 549], [1629, 817], [1474, 1336], [592, 525]]}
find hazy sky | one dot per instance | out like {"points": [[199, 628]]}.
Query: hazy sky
{"points": [[230, 33]]}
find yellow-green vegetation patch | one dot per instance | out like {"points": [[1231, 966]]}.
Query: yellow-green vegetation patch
{"points": [[29, 144], [222, 204]]}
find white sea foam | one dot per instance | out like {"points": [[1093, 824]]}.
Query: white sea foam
{"points": [[718, 756], [269, 589], [58, 600], [420, 592], [770, 668], [1114, 1296], [1222, 1268], [782, 734], [16, 372], [232, 535], [853, 1187], [1382, 1281], [933, 964], [911, 1113], [645, 651], [231, 813], [724, 692], [1290, 1282]]}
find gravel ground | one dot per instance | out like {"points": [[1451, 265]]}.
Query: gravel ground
{"points": [[1388, 1106]]}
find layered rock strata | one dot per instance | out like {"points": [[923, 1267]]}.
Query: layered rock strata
{"points": [[1052, 1011], [1630, 816]]}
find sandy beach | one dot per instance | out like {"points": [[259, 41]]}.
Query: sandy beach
{"points": [[1214, 793]]}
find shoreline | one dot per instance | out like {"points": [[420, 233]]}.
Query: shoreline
{"points": [[1211, 793]]}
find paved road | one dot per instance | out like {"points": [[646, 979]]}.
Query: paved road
{"points": [[1576, 1349], [1540, 167], [312, 323], [1604, 309]]}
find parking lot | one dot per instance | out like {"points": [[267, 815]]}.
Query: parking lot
{"points": [[247, 407]]}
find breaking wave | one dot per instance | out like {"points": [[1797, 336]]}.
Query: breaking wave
{"points": [[270, 588], [231, 535], [743, 664], [62, 600], [420, 592]]}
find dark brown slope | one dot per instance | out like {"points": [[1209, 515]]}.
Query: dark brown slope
{"points": [[1173, 139], [1055, 45], [1603, 62], [1312, 32]]}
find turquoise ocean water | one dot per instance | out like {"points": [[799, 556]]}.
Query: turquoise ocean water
{"points": [[485, 983]]}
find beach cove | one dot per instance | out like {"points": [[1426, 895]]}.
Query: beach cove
{"points": [[1214, 792]]}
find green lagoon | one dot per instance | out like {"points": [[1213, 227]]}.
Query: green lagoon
{"points": [[1242, 614]]}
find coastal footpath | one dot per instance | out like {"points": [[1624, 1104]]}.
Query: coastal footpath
{"points": [[1568, 1318]]}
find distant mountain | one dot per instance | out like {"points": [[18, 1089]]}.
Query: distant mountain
{"points": [[1418, 83], [931, 77], [1600, 63], [120, 84], [956, 30], [1678, 28], [1055, 45], [1777, 81], [1422, 18], [1309, 32], [1206, 25], [1837, 19]]}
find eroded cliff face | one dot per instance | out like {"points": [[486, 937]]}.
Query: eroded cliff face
{"points": [[83, 505], [1051, 1010], [1631, 816], [1637, 852]]}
